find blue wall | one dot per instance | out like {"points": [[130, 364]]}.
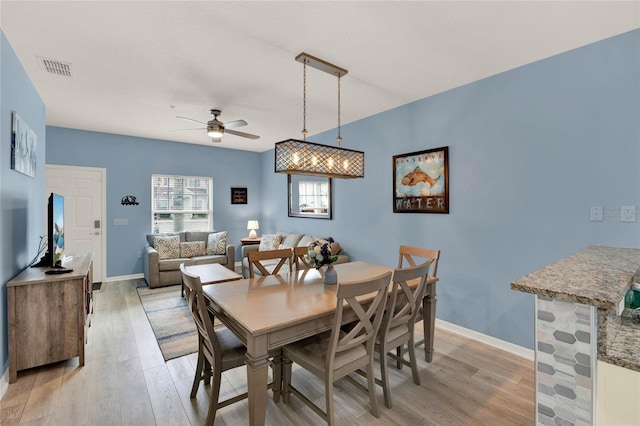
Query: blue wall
{"points": [[530, 151], [22, 199], [131, 161]]}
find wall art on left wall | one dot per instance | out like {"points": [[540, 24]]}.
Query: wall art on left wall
{"points": [[24, 143]]}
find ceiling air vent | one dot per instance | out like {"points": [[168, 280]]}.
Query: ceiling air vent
{"points": [[56, 67]]}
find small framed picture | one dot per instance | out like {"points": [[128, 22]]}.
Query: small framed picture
{"points": [[421, 181], [238, 195]]}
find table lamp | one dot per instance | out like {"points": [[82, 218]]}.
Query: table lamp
{"points": [[252, 225]]}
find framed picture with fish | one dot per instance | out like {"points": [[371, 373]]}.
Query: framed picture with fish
{"points": [[421, 181]]}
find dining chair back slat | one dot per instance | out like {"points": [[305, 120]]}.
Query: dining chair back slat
{"points": [[301, 259], [255, 259]]}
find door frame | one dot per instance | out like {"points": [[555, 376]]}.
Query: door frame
{"points": [[103, 212]]}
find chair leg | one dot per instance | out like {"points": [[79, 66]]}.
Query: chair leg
{"points": [[412, 359], [385, 377], [371, 379], [399, 355], [215, 394], [329, 400], [198, 376], [286, 379]]}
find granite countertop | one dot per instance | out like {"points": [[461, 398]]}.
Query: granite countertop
{"points": [[596, 276]]}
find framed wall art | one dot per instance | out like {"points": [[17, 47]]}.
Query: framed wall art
{"points": [[238, 195], [421, 181], [24, 143]]}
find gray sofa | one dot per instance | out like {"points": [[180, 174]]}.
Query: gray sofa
{"points": [[163, 272], [288, 239]]}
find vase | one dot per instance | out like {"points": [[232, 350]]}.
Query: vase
{"points": [[330, 275]]}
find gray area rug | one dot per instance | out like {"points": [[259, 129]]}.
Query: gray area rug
{"points": [[171, 320]]}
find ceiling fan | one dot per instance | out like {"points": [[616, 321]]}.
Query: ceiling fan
{"points": [[216, 128]]}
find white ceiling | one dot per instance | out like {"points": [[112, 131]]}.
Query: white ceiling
{"points": [[138, 64]]}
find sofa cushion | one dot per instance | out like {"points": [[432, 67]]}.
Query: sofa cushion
{"points": [[289, 239], [205, 260], [270, 242], [192, 248], [167, 247], [174, 264], [152, 237], [217, 243], [197, 235]]}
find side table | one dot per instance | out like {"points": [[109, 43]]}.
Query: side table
{"points": [[250, 241]]}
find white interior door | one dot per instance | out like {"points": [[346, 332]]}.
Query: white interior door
{"points": [[83, 189]]}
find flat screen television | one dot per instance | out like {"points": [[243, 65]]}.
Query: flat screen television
{"points": [[54, 256], [55, 230]]}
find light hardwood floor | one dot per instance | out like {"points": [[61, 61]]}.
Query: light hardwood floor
{"points": [[126, 382]]}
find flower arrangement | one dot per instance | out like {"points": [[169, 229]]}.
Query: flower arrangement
{"points": [[320, 253]]}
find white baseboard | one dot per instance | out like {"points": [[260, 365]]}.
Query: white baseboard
{"points": [[489, 340], [4, 383], [123, 278]]}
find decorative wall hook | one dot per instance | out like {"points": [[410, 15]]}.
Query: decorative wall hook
{"points": [[129, 200]]}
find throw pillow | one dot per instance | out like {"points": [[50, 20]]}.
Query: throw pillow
{"points": [[270, 242], [290, 239], [305, 241], [192, 249], [217, 243], [167, 247], [336, 248]]}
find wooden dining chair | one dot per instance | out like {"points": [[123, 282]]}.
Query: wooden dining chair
{"points": [[256, 258], [218, 351], [333, 355], [398, 323], [412, 256], [300, 257]]}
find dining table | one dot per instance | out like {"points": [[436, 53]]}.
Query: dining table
{"points": [[269, 312]]}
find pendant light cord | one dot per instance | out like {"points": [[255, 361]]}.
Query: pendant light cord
{"points": [[304, 100], [339, 138]]}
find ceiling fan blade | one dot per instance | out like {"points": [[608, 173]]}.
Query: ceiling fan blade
{"points": [[184, 130], [190, 119], [234, 124], [216, 140], [242, 134]]}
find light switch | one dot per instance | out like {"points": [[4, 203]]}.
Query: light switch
{"points": [[595, 214]]}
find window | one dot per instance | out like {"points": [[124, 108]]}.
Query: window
{"points": [[181, 203]]}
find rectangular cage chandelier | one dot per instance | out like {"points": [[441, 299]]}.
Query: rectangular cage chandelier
{"points": [[299, 157]]}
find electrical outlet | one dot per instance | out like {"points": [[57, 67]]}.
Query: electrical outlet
{"points": [[595, 214], [139, 255], [627, 213], [120, 222]]}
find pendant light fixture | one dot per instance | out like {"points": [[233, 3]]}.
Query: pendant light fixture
{"points": [[299, 157]]}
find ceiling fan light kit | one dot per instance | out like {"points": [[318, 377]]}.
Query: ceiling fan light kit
{"points": [[299, 157]]}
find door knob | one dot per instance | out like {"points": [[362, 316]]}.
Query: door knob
{"points": [[96, 233]]}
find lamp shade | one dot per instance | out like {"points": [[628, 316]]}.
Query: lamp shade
{"points": [[252, 225]]}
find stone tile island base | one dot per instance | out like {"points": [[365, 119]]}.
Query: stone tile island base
{"points": [[587, 356], [565, 362]]}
